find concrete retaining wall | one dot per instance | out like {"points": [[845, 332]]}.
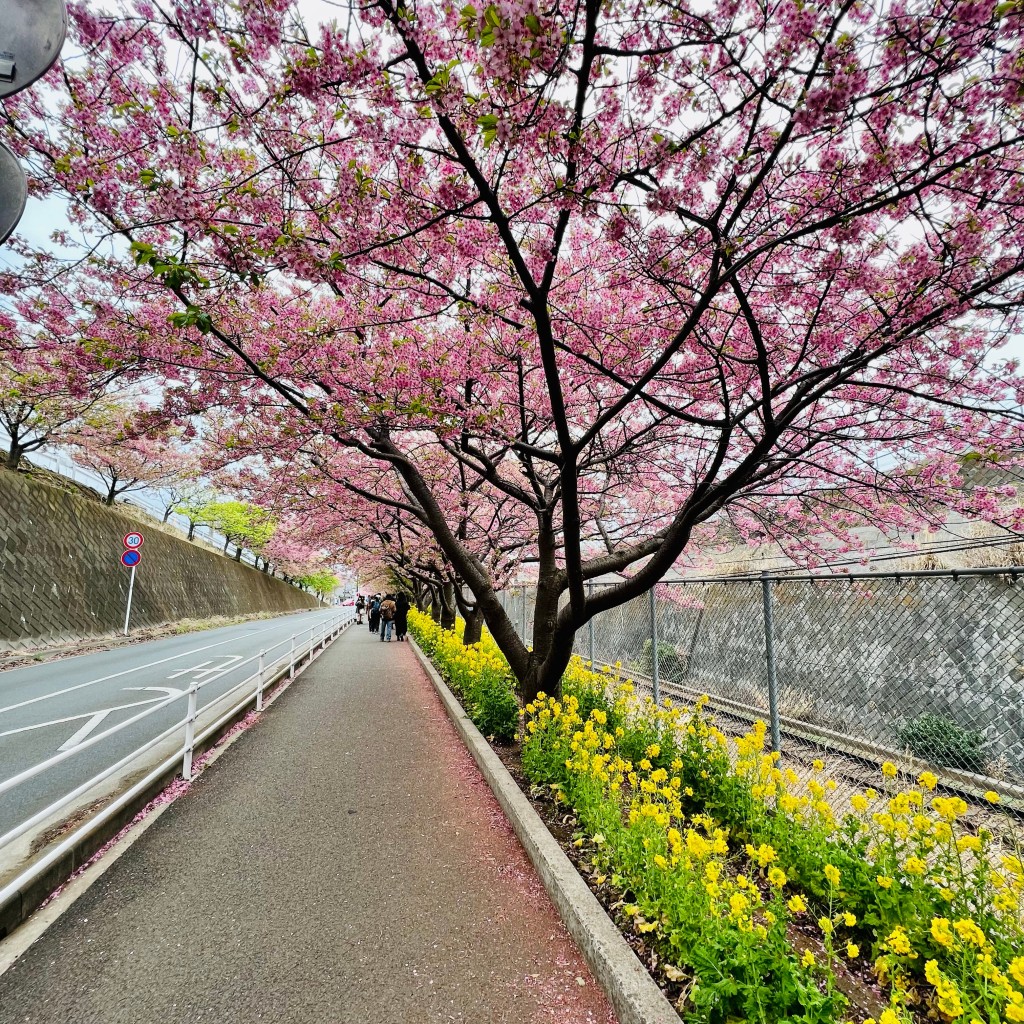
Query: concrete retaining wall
{"points": [[61, 578]]}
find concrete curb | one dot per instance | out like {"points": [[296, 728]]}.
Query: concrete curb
{"points": [[631, 990], [18, 908]]}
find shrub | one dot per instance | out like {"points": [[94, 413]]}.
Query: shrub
{"points": [[495, 710], [935, 738], [670, 662]]}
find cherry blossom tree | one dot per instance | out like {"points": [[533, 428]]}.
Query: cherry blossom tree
{"points": [[629, 268], [111, 441], [54, 366]]}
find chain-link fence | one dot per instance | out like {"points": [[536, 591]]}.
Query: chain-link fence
{"points": [[925, 668]]}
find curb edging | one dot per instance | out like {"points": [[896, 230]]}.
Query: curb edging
{"points": [[632, 992]]}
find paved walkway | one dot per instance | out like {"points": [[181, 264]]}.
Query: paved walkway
{"points": [[343, 862]]}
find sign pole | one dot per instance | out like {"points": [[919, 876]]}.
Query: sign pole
{"points": [[128, 611]]}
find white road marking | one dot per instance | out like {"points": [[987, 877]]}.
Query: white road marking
{"points": [[86, 729], [187, 671], [95, 717], [138, 668]]}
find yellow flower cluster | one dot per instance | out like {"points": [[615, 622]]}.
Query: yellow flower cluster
{"points": [[919, 845]]}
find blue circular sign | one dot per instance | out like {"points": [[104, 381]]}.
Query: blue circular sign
{"points": [[131, 558]]}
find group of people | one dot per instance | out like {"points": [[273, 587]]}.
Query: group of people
{"points": [[384, 614]]}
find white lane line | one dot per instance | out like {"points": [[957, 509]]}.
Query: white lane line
{"points": [[85, 714], [137, 668], [85, 730]]}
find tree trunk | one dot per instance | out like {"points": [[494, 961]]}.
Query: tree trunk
{"points": [[474, 627], [13, 459], [472, 616], [546, 677], [448, 614], [238, 554], [435, 604], [167, 514], [191, 529], [422, 597], [226, 543], [109, 499]]}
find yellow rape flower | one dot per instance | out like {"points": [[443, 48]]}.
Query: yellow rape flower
{"points": [[832, 874], [928, 781], [898, 942], [852, 950], [849, 919], [969, 932], [942, 933], [889, 770], [777, 877], [1016, 969], [992, 796], [884, 882], [797, 904], [808, 960]]}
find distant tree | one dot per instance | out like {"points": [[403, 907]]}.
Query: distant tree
{"points": [[242, 524], [112, 441], [199, 510], [322, 583], [42, 391]]}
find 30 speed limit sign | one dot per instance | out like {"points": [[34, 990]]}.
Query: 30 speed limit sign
{"points": [[133, 540]]}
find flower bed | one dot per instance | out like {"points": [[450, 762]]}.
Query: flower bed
{"points": [[478, 675], [760, 894]]}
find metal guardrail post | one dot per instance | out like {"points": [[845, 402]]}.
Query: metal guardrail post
{"points": [[259, 683], [590, 624], [291, 658], [190, 730], [769, 649], [655, 663]]}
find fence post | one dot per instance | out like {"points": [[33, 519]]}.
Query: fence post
{"points": [[590, 623], [259, 683], [769, 649], [190, 730], [291, 658], [655, 663]]}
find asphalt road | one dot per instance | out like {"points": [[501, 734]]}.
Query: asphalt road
{"points": [[59, 707], [345, 863]]}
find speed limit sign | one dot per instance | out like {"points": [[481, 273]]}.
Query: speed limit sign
{"points": [[133, 540]]}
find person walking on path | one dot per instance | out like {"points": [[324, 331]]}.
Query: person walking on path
{"points": [[374, 614], [387, 617], [401, 615], [336, 871], [360, 606]]}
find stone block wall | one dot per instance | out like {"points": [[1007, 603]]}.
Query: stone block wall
{"points": [[61, 577]]}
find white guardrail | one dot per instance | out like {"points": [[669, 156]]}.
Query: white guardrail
{"points": [[269, 671]]}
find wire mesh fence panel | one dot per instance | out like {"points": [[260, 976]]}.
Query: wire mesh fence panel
{"points": [[925, 667], [712, 639], [928, 666]]}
